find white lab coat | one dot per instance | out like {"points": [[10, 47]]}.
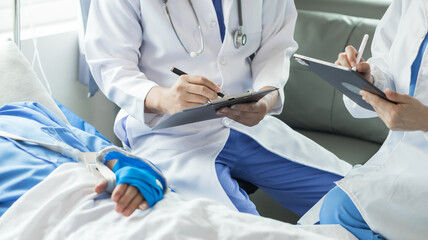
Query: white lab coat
{"points": [[391, 189], [130, 47]]}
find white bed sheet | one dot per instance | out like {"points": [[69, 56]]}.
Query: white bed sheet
{"points": [[64, 206]]}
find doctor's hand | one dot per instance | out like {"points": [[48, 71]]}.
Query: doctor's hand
{"points": [[188, 91], [349, 59], [126, 197], [408, 114], [250, 114]]}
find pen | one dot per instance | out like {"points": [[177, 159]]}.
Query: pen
{"points": [[179, 73], [361, 49]]}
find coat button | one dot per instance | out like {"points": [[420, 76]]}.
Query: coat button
{"points": [[422, 33], [227, 122], [213, 23], [223, 61]]}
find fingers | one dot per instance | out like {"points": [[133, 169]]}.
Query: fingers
{"points": [[407, 115], [188, 91], [203, 81], [248, 108], [342, 60], [128, 194], [247, 119], [144, 205], [351, 54], [133, 205], [118, 192], [128, 199], [201, 86], [347, 58], [365, 70], [373, 99], [194, 99], [249, 114], [101, 187], [396, 97], [201, 93], [384, 109]]}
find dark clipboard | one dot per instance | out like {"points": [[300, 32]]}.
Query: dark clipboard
{"points": [[347, 81], [208, 110]]}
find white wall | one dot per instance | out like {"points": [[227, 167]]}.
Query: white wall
{"points": [[59, 55]]}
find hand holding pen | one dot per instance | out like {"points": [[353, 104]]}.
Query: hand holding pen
{"points": [[188, 91], [352, 58], [180, 73], [361, 51]]}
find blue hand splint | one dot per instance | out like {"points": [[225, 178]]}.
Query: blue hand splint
{"points": [[140, 174]]}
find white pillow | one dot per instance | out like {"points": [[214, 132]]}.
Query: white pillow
{"points": [[18, 81]]}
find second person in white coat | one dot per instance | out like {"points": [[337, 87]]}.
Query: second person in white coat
{"points": [[131, 47], [387, 197]]}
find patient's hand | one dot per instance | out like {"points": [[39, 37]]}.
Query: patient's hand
{"points": [[127, 198]]}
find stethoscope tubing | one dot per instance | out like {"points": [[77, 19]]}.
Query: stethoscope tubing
{"points": [[191, 53], [238, 36]]}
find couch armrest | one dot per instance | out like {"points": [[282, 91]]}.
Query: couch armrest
{"points": [[359, 8]]}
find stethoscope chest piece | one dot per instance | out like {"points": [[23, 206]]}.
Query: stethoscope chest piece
{"points": [[239, 38]]}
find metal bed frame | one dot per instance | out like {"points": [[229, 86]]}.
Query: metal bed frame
{"points": [[17, 23]]}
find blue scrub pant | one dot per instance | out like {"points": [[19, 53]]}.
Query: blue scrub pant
{"points": [[338, 208], [295, 186]]}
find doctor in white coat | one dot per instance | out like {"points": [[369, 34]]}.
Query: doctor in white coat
{"points": [[131, 47], [387, 197]]}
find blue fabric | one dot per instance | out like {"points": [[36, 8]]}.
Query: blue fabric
{"points": [[294, 186], [24, 165], [338, 208], [416, 66], [79, 123], [139, 174], [220, 18]]}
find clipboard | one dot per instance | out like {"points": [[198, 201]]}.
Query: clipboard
{"points": [[208, 110], [347, 81]]}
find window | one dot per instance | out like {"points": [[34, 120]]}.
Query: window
{"points": [[46, 16]]}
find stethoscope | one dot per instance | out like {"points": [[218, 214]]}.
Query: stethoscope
{"points": [[239, 37]]}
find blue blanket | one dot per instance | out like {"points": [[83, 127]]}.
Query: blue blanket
{"points": [[23, 165]]}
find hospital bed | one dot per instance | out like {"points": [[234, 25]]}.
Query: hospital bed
{"points": [[64, 206]]}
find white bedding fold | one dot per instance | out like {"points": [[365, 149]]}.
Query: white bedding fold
{"points": [[64, 206]]}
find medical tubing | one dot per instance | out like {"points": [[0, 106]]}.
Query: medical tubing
{"points": [[90, 159], [36, 54]]}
